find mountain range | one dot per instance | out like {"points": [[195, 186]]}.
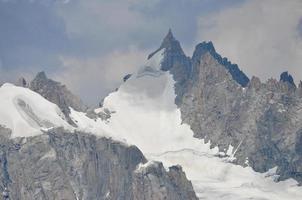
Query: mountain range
{"points": [[179, 128]]}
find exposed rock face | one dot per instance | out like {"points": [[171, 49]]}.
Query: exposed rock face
{"points": [[56, 93], [262, 121], [153, 182], [176, 62], [236, 73], [127, 77], [61, 165], [22, 82], [285, 77]]}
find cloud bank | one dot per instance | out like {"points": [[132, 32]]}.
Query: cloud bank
{"points": [[263, 37], [91, 45], [96, 77]]}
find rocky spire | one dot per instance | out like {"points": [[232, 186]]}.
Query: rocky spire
{"points": [[287, 78], [173, 51], [203, 48], [22, 82], [41, 75], [170, 42], [233, 69], [176, 62]]}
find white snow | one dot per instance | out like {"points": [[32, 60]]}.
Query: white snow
{"points": [[230, 150], [144, 114], [213, 178], [155, 60], [147, 117], [50, 155], [142, 166], [107, 194], [26, 112], [96, 126]]}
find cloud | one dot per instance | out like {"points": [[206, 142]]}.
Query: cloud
{"points": [[105, 39], [180, 15], [94, 78], [102, 25], [98, 25], [263, 37], [31, 35]]}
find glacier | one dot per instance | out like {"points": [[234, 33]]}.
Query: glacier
{"points": [[144, 113]]}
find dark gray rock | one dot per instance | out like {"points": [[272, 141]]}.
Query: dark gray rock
{"points": [[62, 165], [286, 77], [127, 77], [22, 82], [262, 121], [208, 47], [153, 182], [176, 62]]}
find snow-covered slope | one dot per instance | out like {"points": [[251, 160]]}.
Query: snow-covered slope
{"points": [[144, 114], [26, 113]]}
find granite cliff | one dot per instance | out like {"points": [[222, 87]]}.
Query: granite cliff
{"points": [[63, 165], [263, 121]]}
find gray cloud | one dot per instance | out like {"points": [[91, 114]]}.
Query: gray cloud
{"points": [[90, 45], [94, 78], [31, 35], [112, 38], [263, 37]]}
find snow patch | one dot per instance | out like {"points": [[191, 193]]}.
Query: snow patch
{"points": [[147, 117], [50, 154], [142, 166], [26, 112], [156, 60], [214, 179]]}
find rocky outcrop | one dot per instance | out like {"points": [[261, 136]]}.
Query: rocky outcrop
{"points": [[57, 93], [153, 182], [22, 82], [176, 62], [286, 77], [262, 121], [127, 77], [63, 165], [233, 69]]}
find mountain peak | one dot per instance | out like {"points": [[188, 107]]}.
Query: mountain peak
{"points": [[21, 82], [170, 44], [286, 77], [205, 47], [41, 75], [237, 74], [172, 51], [168, 39]]}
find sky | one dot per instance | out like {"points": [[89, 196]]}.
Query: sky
{"points": [[89, 45]]}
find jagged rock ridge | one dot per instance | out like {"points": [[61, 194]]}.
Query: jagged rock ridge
{"points": [[286, 77], [263, 121], [208, 47], [64, 165], [22, 82], [176, 62]]}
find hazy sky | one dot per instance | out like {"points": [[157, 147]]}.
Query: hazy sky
{"points": [[90, 44]]}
